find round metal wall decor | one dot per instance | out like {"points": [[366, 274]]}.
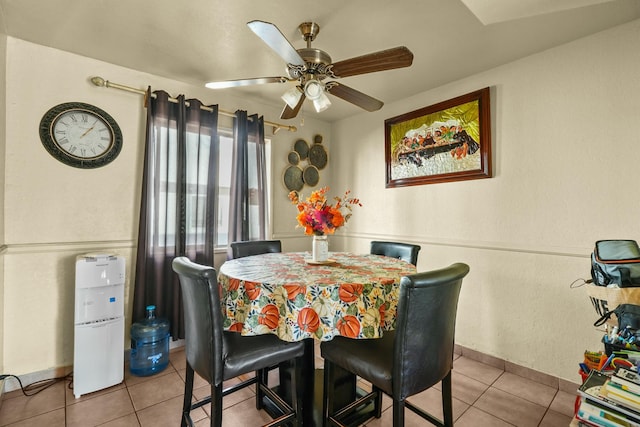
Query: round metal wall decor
{"points": [[305, 163], [302, 148], [293, 158], [311, 176], [293, 178], [318, 156]]}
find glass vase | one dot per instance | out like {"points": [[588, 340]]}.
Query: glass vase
{"points": [[320, 248]]}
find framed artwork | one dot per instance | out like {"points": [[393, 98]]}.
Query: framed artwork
{"points": [[448, 141]]}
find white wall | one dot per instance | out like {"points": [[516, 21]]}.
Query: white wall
{"points": [[53, 212], [565, 170]]}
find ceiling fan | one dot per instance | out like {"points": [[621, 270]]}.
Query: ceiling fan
{"points": [[309, 67]]}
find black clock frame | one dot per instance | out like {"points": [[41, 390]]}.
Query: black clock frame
{"points": [[46, 136]]}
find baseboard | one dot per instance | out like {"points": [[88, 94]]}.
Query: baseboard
{"points": [[11, 384], [528, 373], [1, 392]]}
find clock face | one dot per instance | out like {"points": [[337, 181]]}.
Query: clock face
{"points": [[80, 135]]}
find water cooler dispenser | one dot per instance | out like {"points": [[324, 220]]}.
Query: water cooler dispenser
{"points": [[98, 354]]}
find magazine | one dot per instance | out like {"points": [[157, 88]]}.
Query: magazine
{"points": [[627, 377], [594, 412], [590, 389]]}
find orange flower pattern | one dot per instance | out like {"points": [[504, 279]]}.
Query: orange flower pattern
{"points": [[280, 293]]}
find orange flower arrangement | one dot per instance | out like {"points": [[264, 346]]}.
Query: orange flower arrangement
{"points": [[317, 216]]}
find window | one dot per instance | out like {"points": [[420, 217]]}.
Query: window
{"points": [[196, 187], [224, 179]]}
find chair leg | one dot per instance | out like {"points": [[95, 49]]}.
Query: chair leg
{"points": [[447, 405], [216, 405], [377, 403], [398, 413], [327, 402], [296, 383], [188, 394], [262, 376]]}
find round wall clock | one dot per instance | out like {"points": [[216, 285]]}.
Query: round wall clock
{"points": [[80, 135]]}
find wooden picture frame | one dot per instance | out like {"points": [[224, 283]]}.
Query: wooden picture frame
{"points": [[444, 142]]}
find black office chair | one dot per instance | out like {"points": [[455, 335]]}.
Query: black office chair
{"points": [[217, 355], [254, 247], [404, 251], [408, 360]]}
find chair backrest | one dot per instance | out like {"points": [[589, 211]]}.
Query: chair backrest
{"points": [[404, 251], [202, 318], [254, 247], [425, 328]]}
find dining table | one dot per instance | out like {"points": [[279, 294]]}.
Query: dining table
{"points": [[298, 299]]}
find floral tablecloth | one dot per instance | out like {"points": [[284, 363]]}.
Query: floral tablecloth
{"points": [[281, 293]]}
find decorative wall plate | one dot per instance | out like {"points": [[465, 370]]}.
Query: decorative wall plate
{"points": [[302, 148], [311, 176], [293, 157], [318, 156], [305, 162], [293, 178]]}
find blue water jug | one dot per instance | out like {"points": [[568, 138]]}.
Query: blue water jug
{"points": [[149, 344]]}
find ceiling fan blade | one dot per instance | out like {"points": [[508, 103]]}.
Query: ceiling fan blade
{"points": [[398, 57], [245, 82], [353, 96], [273, 37], [290, 113]]}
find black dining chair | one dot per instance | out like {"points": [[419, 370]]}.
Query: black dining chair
{"points": [[408, 360], [218, 355], [254, 247], [404, 251]]}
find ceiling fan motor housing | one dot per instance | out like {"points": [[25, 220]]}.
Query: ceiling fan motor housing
{"points": [[318, 64]]}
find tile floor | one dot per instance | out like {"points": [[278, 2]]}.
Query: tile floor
{"points": [[484, 396]]}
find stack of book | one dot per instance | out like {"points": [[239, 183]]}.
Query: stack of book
{"points": [[610, 400]]}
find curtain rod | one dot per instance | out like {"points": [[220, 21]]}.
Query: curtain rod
{"points": [[99, 81]]}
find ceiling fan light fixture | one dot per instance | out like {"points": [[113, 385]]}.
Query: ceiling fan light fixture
{"points": [[313, 89], [292, 96], [322, 103]]}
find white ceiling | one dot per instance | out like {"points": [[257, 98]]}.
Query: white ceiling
{"points": [[197, 41]]}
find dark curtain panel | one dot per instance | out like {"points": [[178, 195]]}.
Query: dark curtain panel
{"points": [[248, 192], [178, 211]]}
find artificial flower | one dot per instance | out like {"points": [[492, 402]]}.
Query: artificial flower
{"points": [[318, 217]]}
